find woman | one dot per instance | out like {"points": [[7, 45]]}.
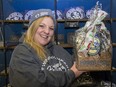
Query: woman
{"points": [[37, 61]]}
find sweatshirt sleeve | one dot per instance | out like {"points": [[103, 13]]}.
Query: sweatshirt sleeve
{"points": [[25, 71]]}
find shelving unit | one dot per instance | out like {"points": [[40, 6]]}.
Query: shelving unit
{"points": [[4, 74], [65, 45]]}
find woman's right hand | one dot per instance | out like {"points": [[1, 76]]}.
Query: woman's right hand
{"points": [[76, 71]]}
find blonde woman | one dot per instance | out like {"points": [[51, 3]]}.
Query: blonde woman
{"points": [[37, 61]]}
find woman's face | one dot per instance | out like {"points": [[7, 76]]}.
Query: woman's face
{"points": [[45, 31]]}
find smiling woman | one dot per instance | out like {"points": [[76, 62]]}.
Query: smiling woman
{"points": [[45, 32], [37, 61]]}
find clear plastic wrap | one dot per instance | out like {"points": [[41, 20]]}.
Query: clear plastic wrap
{"points": [[92, 43]]}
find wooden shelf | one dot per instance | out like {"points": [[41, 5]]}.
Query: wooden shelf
{"points": [[59, 21], [0, 21], [114, 44], [113, 19], [3, 73], [8, 45], [71, 46], [66, 45], [79, 20], [63, 45], [113, 69], [16, 21], [72, 20]]}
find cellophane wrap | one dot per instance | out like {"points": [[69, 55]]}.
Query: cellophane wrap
{"points": [[92, 44]]}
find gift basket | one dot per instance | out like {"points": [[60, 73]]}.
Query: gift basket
{"points": [[92, 43]]}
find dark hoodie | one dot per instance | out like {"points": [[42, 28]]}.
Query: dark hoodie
{"points": [[27, 70]]}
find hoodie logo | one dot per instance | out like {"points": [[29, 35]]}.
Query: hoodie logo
{"points": [[54, 64]]}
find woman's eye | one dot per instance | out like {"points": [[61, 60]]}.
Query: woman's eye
{"points": [[42, 26], [51, 28]]}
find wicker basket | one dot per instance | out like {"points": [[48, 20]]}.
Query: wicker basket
{"points": [[99, 62]]}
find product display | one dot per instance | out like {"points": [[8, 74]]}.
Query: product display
{"points": [[28, 14], [85, 80], [75, 13], [89, 13], [60, 38], [15, 16], [59, 14], [71, 24], [70, 36], [93, 46], [107, 84]]}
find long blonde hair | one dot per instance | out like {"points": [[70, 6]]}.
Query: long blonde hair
{"points": [[29, 38]]}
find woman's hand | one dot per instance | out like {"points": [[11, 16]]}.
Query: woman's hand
{"points": [[76, 71]]}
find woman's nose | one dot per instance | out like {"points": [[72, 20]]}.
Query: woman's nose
{"points": [[47, 30]]}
